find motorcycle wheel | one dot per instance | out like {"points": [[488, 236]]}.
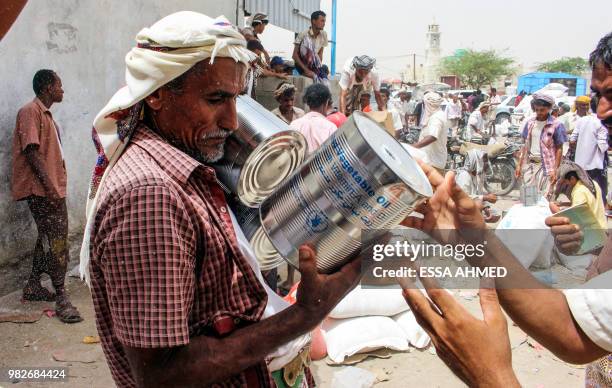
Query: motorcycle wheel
{"points": [[499, 176]]}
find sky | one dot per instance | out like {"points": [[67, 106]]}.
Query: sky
{"points": [[530, 32]]}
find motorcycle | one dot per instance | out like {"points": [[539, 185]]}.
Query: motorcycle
{"points": [[499, 168], [409, 135], [499, 171]]}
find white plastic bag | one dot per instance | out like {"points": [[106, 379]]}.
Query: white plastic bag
{"points": [[362, 302], [525, 233], [415, 334], [345, 337]]}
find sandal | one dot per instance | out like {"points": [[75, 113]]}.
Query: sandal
{"points": [[35, 292], [67, 313]]}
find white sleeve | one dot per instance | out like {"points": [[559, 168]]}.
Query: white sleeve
{"points": [[473, 120], [591, 307], [575, 132], [602, 138], [345, 80], [435, 128]]}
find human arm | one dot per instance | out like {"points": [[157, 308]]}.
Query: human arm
{"points": [[269, 73], [523, 152], [451, 216], [427, 140], [206, 360], [477, 351], [28, 129], [541, 312], [149, 255], [473, 123], [37, 164], [559, 138], [342, 101], [298, 61], [602, 139], [320, 54]]}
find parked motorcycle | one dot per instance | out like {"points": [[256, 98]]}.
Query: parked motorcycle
{"points": [[409, 135], [499, 171], [499, 168]]}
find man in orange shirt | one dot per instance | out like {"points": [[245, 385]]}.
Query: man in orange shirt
{"points": [[39, 177]]}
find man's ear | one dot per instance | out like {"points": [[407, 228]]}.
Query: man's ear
{"points": [[155, 100]]}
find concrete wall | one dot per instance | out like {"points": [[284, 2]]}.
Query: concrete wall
{"points": [[85, 42]]}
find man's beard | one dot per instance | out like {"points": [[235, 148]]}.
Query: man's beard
{"points": [[215, 154]]}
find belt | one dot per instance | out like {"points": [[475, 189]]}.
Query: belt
{"points": [[224, 326]]}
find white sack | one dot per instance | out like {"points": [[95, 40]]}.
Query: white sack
{"points": [[370, 301], [415, 334], [534, 244], [345, 337]]}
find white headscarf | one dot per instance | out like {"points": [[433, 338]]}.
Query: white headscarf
{"points": [[431, 104], [164, 51]]}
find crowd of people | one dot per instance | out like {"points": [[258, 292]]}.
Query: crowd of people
{"points": [[177, 297]]}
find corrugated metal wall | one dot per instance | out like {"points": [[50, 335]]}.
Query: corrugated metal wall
{"points": [[293, 15]]}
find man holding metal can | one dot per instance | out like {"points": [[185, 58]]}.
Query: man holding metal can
{"points": [[176, 297]]}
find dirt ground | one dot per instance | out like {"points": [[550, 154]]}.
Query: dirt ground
{"points": [[46, 341]]}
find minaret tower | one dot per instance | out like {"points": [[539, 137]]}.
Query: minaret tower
{"points": [[432, 54]]}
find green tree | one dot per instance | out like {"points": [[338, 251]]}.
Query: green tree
{"points": [[476, 69], [571, 65]]}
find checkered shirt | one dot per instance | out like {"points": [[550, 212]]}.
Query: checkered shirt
{"points": [[165, 262], [553, 135]]}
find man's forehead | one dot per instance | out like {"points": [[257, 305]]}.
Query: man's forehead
{"points": [[223, 74]]}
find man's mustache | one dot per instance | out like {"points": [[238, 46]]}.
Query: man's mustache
{"points": [[221, 133]]}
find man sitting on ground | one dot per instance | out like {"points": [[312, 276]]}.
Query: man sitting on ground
{"points": [[578, 186]]}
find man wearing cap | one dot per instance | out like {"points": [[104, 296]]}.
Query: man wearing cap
{"points": [[177, 294], [358, 75], [541, 155], [308, 49], [255, 26]]}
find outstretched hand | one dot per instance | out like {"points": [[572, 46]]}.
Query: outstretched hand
{"points": [[476, 351], [318, 293], [450, 214]]}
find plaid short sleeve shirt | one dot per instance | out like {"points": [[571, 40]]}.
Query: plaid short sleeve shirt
{"points": [[165, 263]]}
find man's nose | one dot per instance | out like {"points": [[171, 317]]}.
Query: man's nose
{"points": [[228, 117]]}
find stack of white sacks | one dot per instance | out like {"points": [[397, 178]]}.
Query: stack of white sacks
{"points": [[368, 319]]}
